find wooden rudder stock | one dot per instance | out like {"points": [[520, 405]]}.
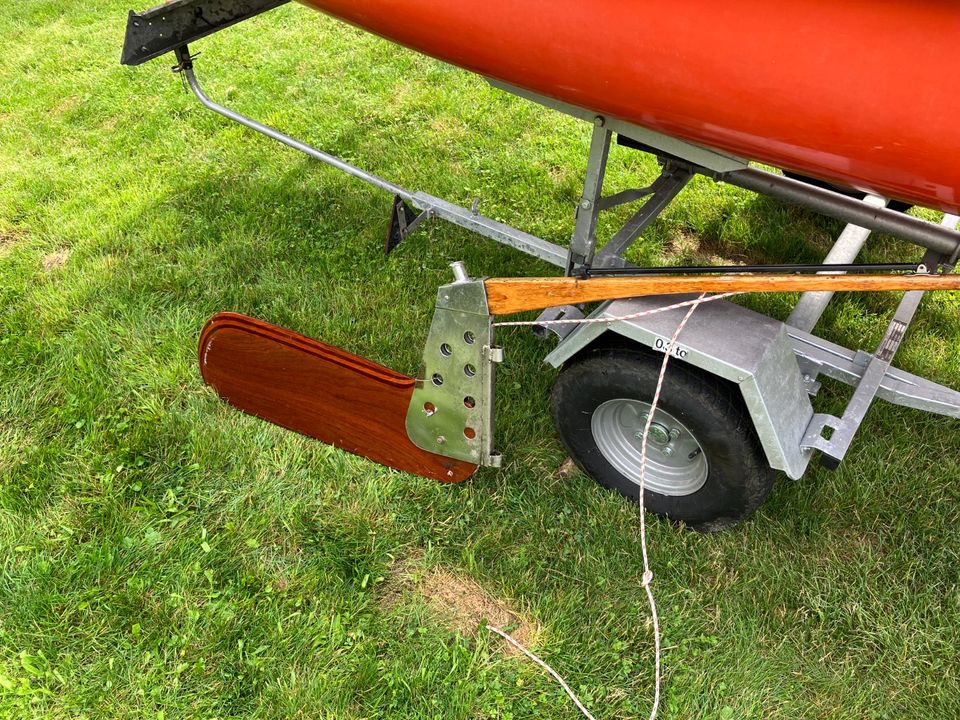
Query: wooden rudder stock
{"points": [[513, 295]]}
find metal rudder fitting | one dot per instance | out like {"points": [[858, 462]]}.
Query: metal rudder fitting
{"points": [[452, 409]]}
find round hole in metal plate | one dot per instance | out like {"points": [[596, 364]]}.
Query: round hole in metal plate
{"points": [[469, 402], [429, 408], [469, 370], [437, 379], [446, 350], [469, 433], [469, 338]]}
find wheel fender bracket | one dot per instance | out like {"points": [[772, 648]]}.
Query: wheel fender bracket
{"points": [[746, 348]]}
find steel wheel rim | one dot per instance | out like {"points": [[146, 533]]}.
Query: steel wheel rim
{"points": [[676, 463]]}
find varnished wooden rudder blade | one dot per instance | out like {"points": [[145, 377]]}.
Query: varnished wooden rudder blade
{"points": [[513, 295], [318, 390]]}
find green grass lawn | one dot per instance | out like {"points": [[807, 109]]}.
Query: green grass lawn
{"points": [[164, 556]]}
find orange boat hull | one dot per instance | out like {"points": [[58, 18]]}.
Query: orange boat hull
{"points": [[858, 92]]}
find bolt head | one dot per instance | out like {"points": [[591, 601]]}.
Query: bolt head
{"points": [[659, 435]]}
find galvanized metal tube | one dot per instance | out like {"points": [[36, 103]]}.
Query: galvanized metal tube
{"points": [[489, 228], [938, 238], [273, 134], [812, 305], [437, 207]]}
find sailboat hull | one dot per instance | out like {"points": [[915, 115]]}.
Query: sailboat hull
{"points": [[859, 92]]}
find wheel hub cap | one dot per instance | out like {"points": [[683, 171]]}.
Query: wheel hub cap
{"points": [[659, 435], [676, 463]]}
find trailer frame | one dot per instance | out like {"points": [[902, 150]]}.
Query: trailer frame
{"points": [[776, 365]]}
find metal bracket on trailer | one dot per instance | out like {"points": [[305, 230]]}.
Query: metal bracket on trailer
{"points": [[842, 430], [833, 436], [761, 363], [166, 27], [818, 357], [674, 176], [452, 410]]}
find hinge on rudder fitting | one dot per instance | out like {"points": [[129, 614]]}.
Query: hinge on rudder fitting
{"points": [[451, 412]]}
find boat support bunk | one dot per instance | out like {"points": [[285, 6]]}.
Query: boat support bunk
{"points": [[776, 366]]}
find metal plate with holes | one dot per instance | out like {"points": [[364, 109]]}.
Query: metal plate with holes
{"points": [[451, 412]]}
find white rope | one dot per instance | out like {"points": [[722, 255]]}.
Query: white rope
{"points": [[541, 663], [647, 572], [647, 578]]}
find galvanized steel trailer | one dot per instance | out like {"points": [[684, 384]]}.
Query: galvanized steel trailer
{"points": [[766, 376]]}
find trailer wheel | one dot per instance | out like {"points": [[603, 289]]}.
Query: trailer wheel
{"points": [[705, 466]]}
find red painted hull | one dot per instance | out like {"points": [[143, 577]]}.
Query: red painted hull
{"points": [[859, 92]]}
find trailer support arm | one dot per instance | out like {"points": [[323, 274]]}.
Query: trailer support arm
{"points": [[166, 27]]}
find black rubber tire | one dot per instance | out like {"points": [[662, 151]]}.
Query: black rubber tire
{"points": [[739, 478]]}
